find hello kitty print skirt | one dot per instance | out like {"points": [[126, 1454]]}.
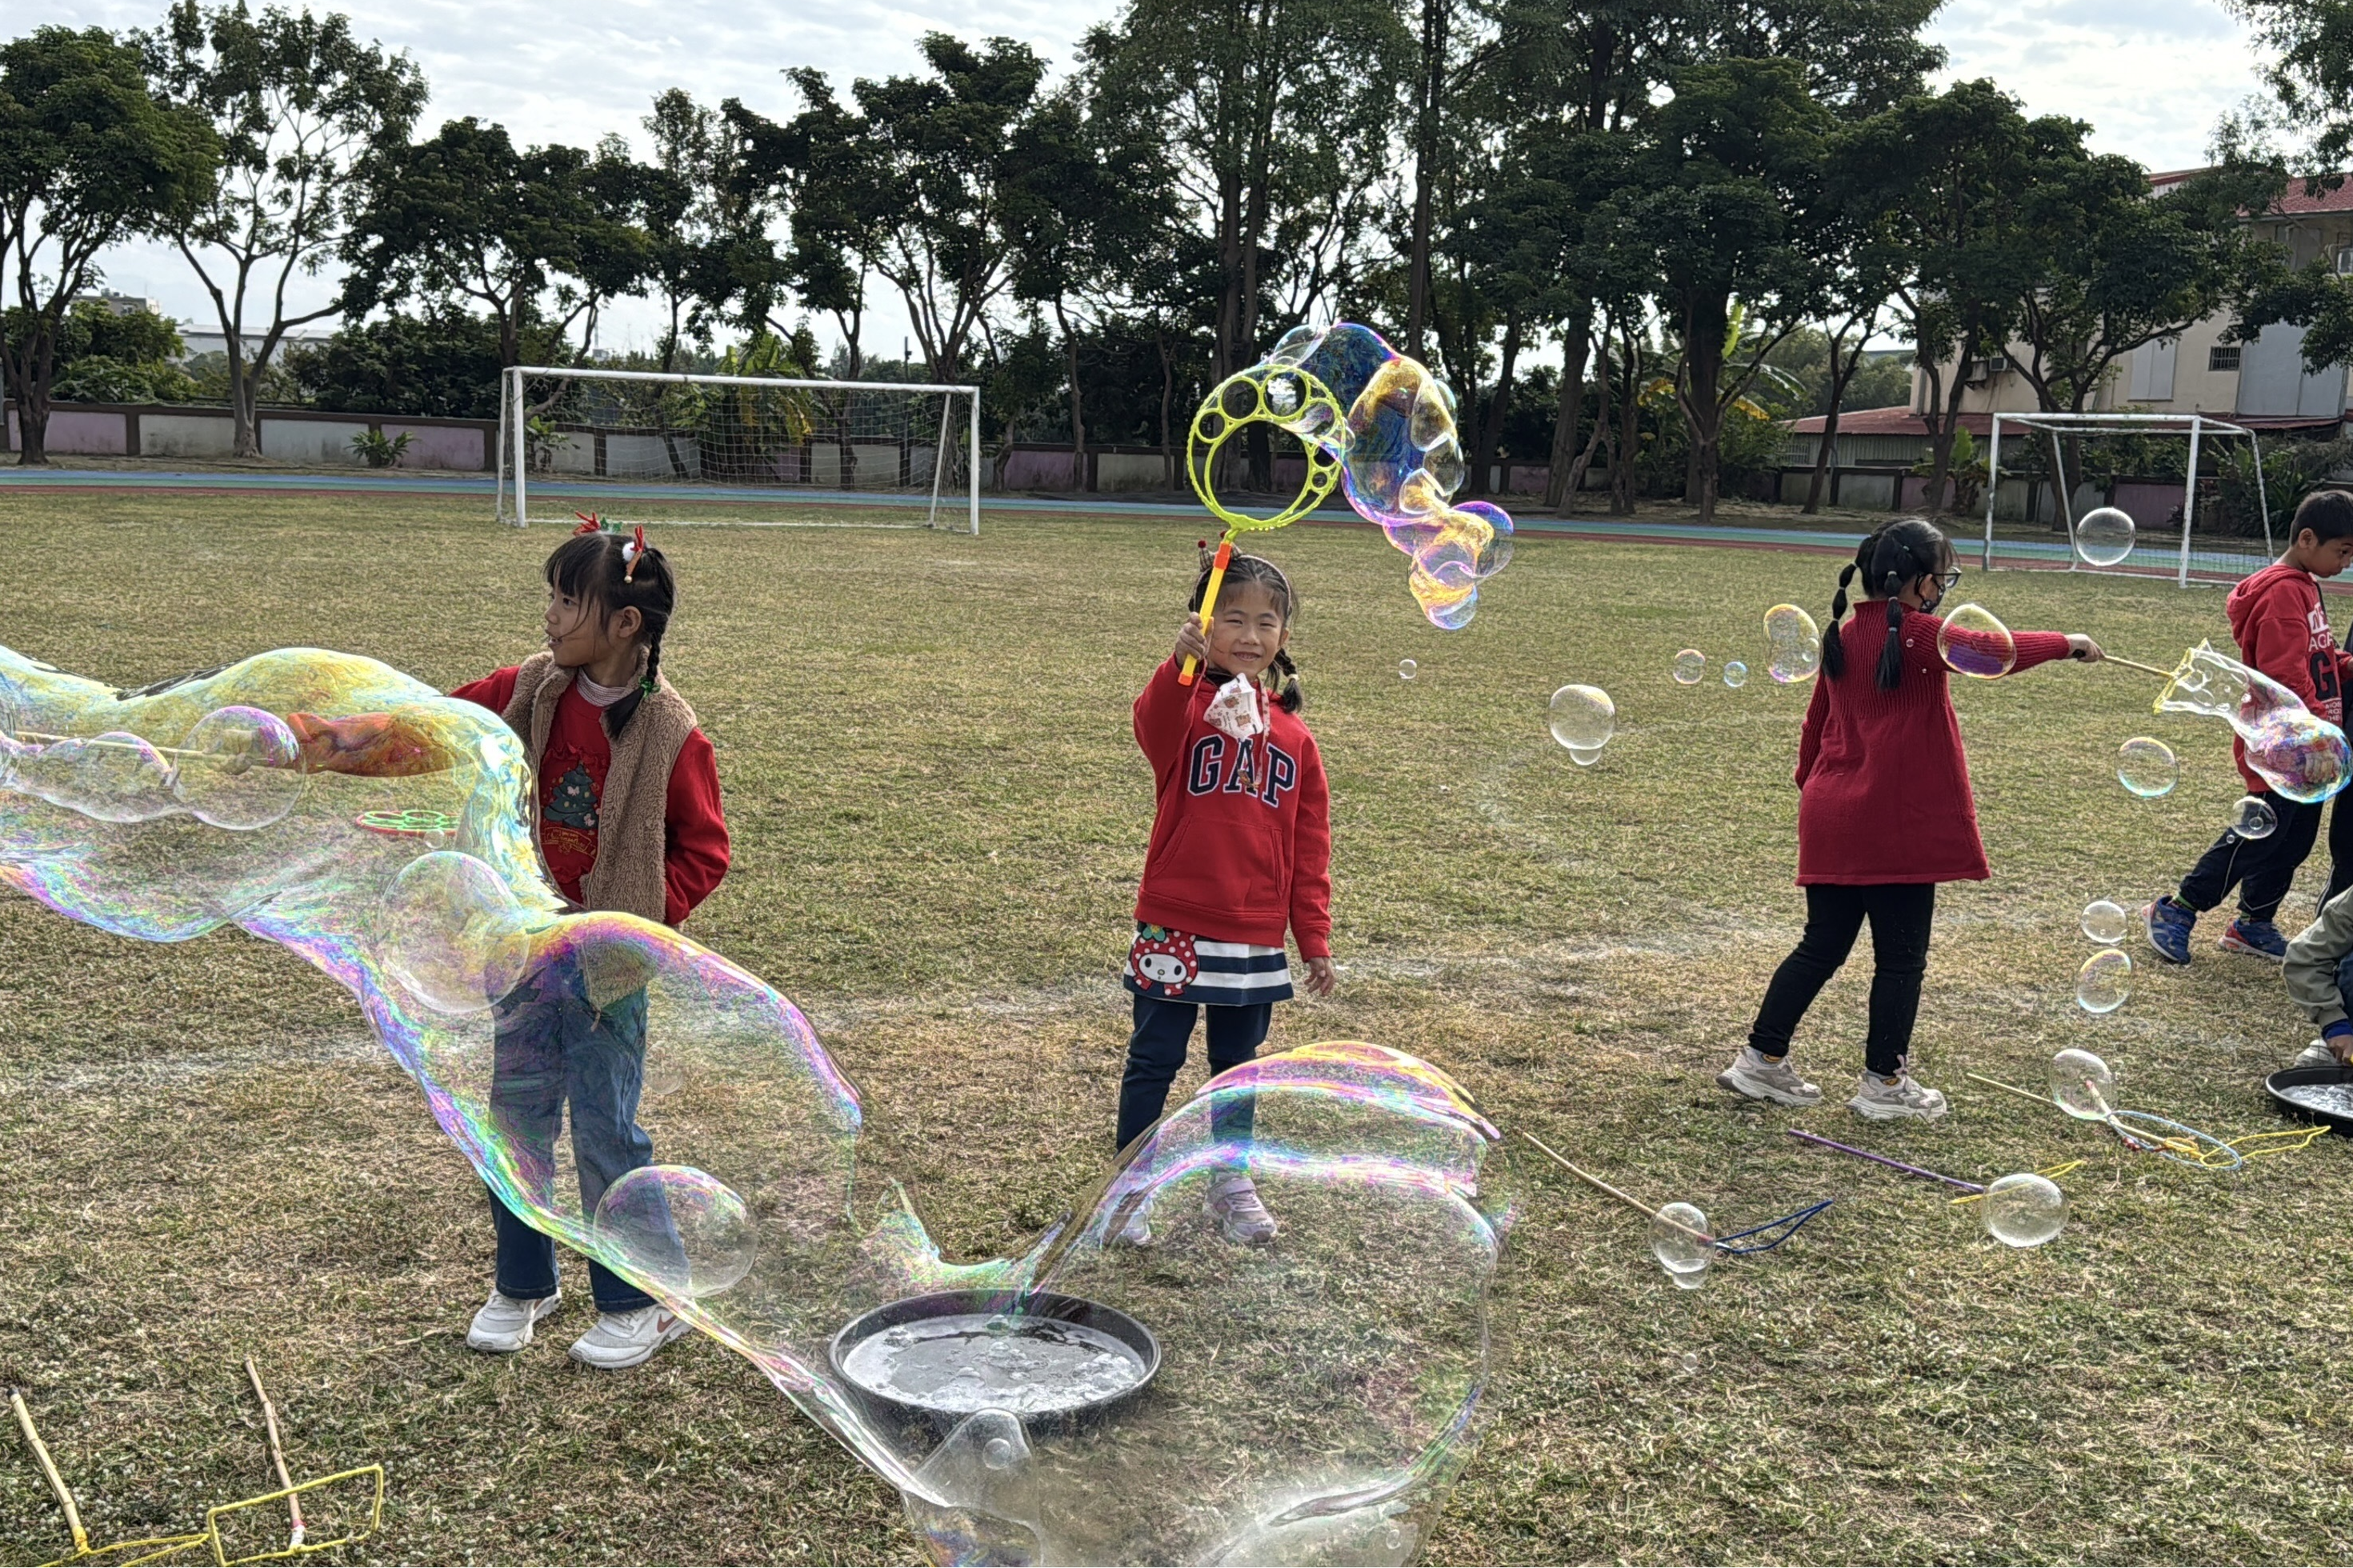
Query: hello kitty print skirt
{"points": [[1175, 967]]}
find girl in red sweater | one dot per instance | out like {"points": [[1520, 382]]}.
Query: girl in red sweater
{"points": [[1884, 814], [630, 820], [1241, 850]]}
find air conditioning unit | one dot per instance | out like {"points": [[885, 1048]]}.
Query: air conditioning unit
{"points": [[1986, 369]]}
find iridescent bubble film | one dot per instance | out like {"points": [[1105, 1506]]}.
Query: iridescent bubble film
{"points": [[2104, 980], [1974, 642], [1316, 1398], [1796, 645], [2081, 1083], [2105, 536], [2145, 767], [1736, 674], [1689, 667], [1402, 463], [1407, 669], [1683, 1255], [2300, 755], [2106, 920], [1583, 719], [2253, 818], [2023, 1210]]}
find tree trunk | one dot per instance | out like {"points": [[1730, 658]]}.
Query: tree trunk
{"points": [[1559, 496], [1841, 372], [1425, 162], [1168, 397], [1077, 411], [1499, 408], [1702, 378], [1630, 423], [1584, 459]]}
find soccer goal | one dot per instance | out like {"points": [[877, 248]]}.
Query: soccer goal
{"points": [[642, 446], [2188, 530]]}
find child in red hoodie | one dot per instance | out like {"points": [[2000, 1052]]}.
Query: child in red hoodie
{"points": [[1884, 814], [1242, 848], [2282, 630]]}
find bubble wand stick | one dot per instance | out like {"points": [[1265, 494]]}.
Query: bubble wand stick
{"points": [[1209, 601], [1631, 1202]]}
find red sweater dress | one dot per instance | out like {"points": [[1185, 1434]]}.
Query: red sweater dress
{"points": [[1884, 788]]}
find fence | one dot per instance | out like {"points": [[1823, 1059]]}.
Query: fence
{"points": [[299, 436]]}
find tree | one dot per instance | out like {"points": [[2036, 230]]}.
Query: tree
{"points": [[707, 226], [467, 215], [1938, 182], [1271, 112], [2311, 71], [1084, 199], [297, 103], [1729, 210], [89, 157], [817, 166]]}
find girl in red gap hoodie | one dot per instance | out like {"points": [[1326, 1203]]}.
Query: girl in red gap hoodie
{"points": [[1884, 814], [2282, 630], [1242, 848]]}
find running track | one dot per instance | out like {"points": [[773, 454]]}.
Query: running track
{"points": [[1832, 541]]}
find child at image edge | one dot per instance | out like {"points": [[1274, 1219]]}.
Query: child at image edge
{"points": [[628, 820], [1884, 814], [1241, 847], [2282, 630]]}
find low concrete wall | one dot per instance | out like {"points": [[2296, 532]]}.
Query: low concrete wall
{"points": [[167, 430]]}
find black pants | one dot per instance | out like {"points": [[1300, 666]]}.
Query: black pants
{"points": [[1157, 1049], [2261, 868], [1899, 913]]}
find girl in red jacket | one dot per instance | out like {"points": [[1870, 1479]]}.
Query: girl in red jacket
{"points": [[628, 819], [1242, 848], [1884, 815]]}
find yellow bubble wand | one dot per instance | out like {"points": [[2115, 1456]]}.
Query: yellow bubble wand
{"points": [[1281, 395]]}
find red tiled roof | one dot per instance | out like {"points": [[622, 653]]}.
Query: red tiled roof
{"points": [[1901, 421], [2298, 199]]}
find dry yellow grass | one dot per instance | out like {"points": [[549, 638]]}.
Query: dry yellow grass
{"points": [[939, 817]]}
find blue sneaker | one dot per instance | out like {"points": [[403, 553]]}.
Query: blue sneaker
{"points": [[2257, 939], [2169, 922]]}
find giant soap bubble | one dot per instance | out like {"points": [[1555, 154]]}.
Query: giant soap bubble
{"points": [[2300, 755], [1385, 428], [1317, 1397]]}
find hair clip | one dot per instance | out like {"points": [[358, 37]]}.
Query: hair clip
{"points": [[632, 552], [588, 524]]}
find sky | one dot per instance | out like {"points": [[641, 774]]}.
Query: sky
{"points": [[2151, 76]]}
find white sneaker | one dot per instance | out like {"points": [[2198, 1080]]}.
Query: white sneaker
{"points": [[1234, 1203], [624, 1339], [1899, 1099], [504, 1324], [2316, 1055], [1767, 1077]]}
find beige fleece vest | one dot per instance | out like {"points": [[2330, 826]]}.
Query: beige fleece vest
{"points": [[632, 833]]}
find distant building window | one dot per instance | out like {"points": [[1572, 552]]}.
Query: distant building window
{"points": [[2223, 356]]}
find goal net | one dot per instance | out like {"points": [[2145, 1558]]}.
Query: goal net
{"points": [[2191, 484], [644, 446]]}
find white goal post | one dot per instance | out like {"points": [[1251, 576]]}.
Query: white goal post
{"points": [[637, 446], [2226, 565]]}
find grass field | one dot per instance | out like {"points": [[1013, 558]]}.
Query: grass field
{"points": [[939, 817]]}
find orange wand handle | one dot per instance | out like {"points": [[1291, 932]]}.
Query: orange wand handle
{"points": [[1208, 602]]}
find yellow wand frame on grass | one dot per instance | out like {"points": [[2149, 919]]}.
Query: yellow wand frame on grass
{"points": [[1281, 395]]}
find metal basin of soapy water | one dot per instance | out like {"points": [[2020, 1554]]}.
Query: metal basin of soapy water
{"points": [[1051, 1359]]}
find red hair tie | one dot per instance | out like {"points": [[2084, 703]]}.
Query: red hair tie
{"points": [[632, 552]]}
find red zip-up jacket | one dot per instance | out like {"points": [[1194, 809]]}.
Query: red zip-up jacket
{"points": [[1228, 863], [1883, 787], [2281, 628]]}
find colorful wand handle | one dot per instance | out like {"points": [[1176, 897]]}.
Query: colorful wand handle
{"points": [[1208, 602]]}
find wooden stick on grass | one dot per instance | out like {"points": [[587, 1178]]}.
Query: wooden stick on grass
{"points": [[1631, 1202], [50, 1470], [276, 1453]]}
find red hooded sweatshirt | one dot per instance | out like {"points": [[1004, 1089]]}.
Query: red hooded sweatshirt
{"points": [[1230, 861], [2282, 630], [1884, 788]]}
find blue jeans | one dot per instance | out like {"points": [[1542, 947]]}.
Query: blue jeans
{"points": [[554, 1048], [1157, 1049]]}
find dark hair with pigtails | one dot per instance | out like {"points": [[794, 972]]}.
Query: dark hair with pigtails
{"points": [[1898, 554], [1835, 645], [1258, 571], [617, 572]]}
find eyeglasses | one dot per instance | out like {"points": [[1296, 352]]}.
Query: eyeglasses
{"points": [[1949, 580]]}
